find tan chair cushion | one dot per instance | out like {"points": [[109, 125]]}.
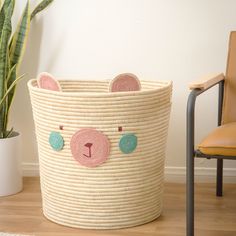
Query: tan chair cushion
{"points": [[222, 141]]}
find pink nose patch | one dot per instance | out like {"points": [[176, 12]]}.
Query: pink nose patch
{"points": [[90, 147], [125, 82]]}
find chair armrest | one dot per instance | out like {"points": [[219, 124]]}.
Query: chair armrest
{"points": [[190, 118], [207, 82]]}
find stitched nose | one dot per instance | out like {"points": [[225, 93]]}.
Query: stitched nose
{"points": [[88, 145]]}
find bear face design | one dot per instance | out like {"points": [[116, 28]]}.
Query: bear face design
{"points": [[89, 146]]}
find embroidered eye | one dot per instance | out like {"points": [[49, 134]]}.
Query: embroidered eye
{"points": [[56, 141], [128, 143], [120, 128]]}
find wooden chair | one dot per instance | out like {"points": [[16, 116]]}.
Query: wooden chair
{"points": [[221, 143]]}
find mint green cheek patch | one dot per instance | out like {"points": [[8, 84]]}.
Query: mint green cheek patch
{"points": [[128, 143], [56, 141]]}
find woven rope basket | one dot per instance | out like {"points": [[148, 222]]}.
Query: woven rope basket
{"points": [[124, 191]]}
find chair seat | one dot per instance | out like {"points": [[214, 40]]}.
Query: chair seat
{"points": [[222, 141]]}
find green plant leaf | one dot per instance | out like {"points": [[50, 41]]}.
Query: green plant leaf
{"points": [[41, 6], [5, 108], [9, 98], [10, 88], [8, 133], [3, 13], [17, 47], [19, 39], [11, 78], [6, 34]]}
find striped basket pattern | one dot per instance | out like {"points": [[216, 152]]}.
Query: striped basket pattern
{"points": [[127, 189]]}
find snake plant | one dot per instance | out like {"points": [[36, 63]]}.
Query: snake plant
{"points": [[12, 45]]}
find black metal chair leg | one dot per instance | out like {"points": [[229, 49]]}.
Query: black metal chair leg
{"points": [[190, 155], [190, 195], [219, 178]]}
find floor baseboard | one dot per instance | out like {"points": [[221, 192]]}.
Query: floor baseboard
{"points": [[30, 169], [202, 174]]}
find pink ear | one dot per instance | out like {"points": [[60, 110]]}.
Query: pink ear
{"points": [[125, 82], [47, 81]]}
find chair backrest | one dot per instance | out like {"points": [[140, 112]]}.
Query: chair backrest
{"points": [[229, 101]]}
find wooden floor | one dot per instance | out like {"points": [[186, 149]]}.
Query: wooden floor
{"points": [[22, 213]]}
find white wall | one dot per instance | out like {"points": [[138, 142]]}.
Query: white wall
{"points": [[177, 40]]}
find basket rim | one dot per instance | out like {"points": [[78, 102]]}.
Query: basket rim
{"points": [[166, 84]]}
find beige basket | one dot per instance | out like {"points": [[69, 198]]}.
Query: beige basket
{"points": [[127, 189]]}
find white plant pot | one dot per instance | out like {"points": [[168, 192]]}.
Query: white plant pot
{"points": [[10, 165]]}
